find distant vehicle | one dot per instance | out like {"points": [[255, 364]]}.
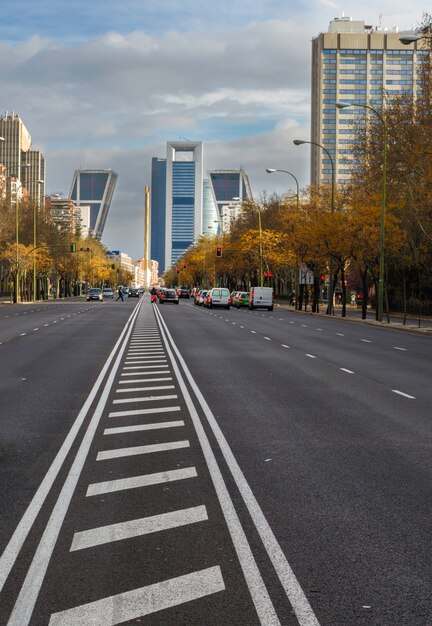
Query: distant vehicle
{"points": [[107, 293], [168, 295], [242, 299], [261, 298], [183, 293], [201, 297], [218, 296], [233, 297], [133, 293], [95, 294]]}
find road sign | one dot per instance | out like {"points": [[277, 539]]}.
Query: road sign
{"points": [[306, 276]]}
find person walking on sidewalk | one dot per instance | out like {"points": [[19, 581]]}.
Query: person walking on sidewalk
{"points": [[120, 294]]}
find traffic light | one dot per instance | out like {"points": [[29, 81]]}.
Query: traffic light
{"points": [[112, 266], [73, 247], [218, 251], [184, 266]]}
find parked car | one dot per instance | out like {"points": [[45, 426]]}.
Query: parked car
{"points": [[107, 293], [201, 297], [242, 299], [133, 293], [168, 295], [183, 293], [218, 296], [260, 298], [95, 294]]}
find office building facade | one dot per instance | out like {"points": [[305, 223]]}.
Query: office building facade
{"points": [[360, 65], [230, 188], [21, 162], [94, 188], [158, 212]]}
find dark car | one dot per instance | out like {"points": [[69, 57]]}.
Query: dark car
{"points": [[183, 293], [133, 293], [168, 295]]}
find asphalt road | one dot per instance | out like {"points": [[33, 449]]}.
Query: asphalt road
{"points": [[179, 465]]}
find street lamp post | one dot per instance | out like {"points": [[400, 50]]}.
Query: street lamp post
{"points": [[299, 142], [380, 301], [271, 170], [39, 182]]}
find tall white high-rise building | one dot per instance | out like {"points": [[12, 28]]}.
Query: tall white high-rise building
{"points": [[358, 64]]}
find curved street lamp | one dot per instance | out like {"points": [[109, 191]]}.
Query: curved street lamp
{"points": [[299, 142], [271, 170], [380, 302]]}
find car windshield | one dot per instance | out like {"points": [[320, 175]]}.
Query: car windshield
{"points": [[94, 290]]}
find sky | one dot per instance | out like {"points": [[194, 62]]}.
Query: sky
{"points": [[105, 84]]}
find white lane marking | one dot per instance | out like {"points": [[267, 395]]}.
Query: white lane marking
{"points": [[23, 334], [35, 328], [27, 597], [135, 604], [146, 398], [263, 605], [233, 323], [137, 450], [291, 322], [280, 319], [405, 395], [397, 348], [143, 367], [141, 351], [143, 380], [366, 340], [138, 527], [48, 324], [140, 427], [268, 338], [343, 369], [304, 325], [284, 345], [159, 371], [340, 334], [241, 326], [156, 387], [318, 328], [253, 331], [162, 409], [135, 482], [311, 356]]}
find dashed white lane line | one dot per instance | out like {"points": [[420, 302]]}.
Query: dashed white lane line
{"points": [[138, 527], [318, 328], [397, 348], [135, 604], [145, 398], [340, 334], [35, 328], [118, 430], [304, 325], [241, 326], [366, 340], [343, 369], [253, 331], [405, 395], [311, 356], [23, 334], [284, 345], [291, 322], [134, 482], [268, 338], [136, 450], [46, 324]]}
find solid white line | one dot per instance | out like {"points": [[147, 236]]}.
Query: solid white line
{"points": [[163, 409], [262, 602], [405, 395], [137, 450], [27, 597], [263, 605], [140, 427], [157, 387], [146, 398], [366, 340], [311, 356], [396, 348], [135, 604], [138, 527], [134, 482], [144, 380], [284, 346], [343, 369]]}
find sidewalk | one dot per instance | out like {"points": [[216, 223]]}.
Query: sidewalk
{"points": [[354, 316]]}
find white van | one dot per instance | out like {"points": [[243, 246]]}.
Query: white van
{"points": [[261, 298], [218, 296]]}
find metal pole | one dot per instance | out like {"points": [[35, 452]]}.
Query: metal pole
{"points": [[34, 252], [260, 247], [17, 289], [382, 231]]}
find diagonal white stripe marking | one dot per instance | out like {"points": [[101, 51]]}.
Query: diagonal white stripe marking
{"points": [[405, 395], [347, 371], [129, 389], [134, 482], [143, 367], [144, 380], [138, 527], [145, 399], [159, 371], [140, 427], [144, 601], [163, 409], [137, 450]]}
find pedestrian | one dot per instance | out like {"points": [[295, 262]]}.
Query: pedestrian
{"points": [[120, 294]]}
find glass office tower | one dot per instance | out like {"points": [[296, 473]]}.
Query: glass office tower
{"points": [[158, 212], [94, 188]]}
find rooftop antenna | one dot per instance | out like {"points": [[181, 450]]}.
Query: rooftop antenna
{"points": [[380, 16]]}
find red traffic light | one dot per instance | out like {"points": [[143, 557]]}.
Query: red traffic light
{"points": [[268, 274], [218, 251]]}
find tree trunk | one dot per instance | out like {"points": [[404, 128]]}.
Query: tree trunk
{"points": [[364, 277], [343, 292]]}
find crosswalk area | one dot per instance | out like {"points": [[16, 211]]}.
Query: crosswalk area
{"points": [[144, 538]]}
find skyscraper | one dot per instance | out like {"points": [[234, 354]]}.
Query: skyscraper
{"points": [[94, 188], [158, 211], [230, 188], [21, 162], [184, 197], [361, 65]]}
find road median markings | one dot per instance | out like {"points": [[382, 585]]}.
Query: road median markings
{"points": [[119, 430], [147, 398], [136, 482], [405, 395], [137, 450], [162, 409]]}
